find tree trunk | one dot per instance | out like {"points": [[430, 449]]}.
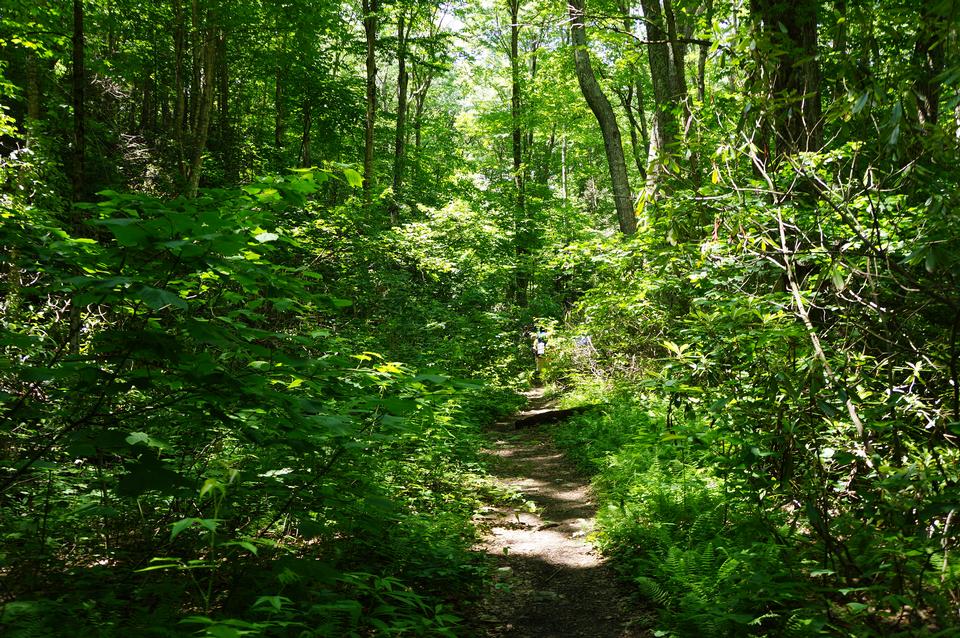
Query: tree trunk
{"points": [[790, 33], [422, 81], [278, 110], [370, 8], [196, 52], [665, 129], [305, 158], [928, 57], [543, 175], [152, 96], [399, 143], [78, 173], [33, 87], [223, 113], [600, 105], [521, 223], [707, 17], [702, 73], [678, 52], [563, 167], [678, 82], [420, 100], [179, 106], [205, 107], [840, 27], [641, 146]]}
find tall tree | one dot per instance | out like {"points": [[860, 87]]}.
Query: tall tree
{"points": [[208, 52], [79, 81], [521, 230], [928, 58], [370, 25], [788, 32], [665, 127], [179, 106], [403, 85], [610, 130]]}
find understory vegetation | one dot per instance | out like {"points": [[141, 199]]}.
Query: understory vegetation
{"points": [[268, 269], [216, 440], [754, 481]]}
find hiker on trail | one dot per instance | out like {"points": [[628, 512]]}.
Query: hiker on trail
{"points": [[539, 349]]}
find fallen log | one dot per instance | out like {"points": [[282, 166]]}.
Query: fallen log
{"points": [[549, 415]]}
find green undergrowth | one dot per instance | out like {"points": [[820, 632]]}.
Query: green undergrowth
{"points": [[715, 561], [379, 547], [210, 446]]}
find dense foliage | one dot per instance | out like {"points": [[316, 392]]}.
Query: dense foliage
{"points": [[267, 270]]}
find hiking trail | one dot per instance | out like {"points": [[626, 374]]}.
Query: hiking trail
{"points": [[550, 580]]}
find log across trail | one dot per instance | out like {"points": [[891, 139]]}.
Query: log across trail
{"points": [[551, 582]]}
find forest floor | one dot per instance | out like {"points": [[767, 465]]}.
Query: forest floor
{"points": [[550, 581]]}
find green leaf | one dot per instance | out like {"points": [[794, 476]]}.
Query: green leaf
{"points": [[223, 631], [277, 602], [212, 485], [158, 298], [265, 237], [860, 103], [354, 178], [181, 525], [137, 438], [837, 278], [127, 231]]}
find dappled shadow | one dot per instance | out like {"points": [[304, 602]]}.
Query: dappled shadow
{"points": [[550, 579], [536, 598]]}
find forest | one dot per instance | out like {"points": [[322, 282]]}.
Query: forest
{"points": [[269, 270]]}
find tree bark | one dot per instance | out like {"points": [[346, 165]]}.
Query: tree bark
{"points": [[305, 158], [179, 106], [78, 173], [928, 57], [196, 51], [33, 87], [370, 8], [563, 167], [521, 223], [790, 33], [665, 128], [79, 81], [678, 52], [278, 113], [600, 105], [422, 76], [399, 143], [223, 113], [205, 106]]}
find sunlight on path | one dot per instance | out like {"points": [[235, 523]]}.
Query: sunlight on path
{"points": [[551, 582]]}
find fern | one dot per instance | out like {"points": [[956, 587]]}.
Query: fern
{"points": [[651, 590], [798, 626]]}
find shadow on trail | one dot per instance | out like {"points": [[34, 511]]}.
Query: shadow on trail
{"points": [[534, 598], [550, 580]]}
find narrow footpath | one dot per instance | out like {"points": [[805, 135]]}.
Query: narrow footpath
{"points": [[551, 582]]}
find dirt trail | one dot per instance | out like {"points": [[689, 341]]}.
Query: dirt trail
{"points": [[550, 580]]}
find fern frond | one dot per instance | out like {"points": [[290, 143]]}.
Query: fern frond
{"points": [[652, 590]]}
